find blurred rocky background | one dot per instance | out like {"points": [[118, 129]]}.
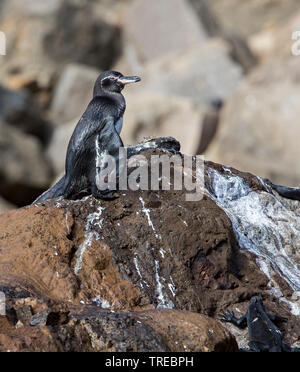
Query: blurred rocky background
{"points": [[217, 75]]}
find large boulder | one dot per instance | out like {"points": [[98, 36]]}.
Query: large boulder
{"points": [[260, 124], [162, 115], [202, 74], [142, 267], [249, 17], [53, 327], [72, 93], [53, 34], [79, 35], [20, 109], [25, 170], [277, 41], [57, 149], [157, 28], [5, 206]]}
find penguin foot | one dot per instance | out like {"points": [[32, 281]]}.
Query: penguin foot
{"points": [[104, 194]]}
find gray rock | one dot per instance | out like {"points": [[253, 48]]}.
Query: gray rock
{"points": [[40, 8], [53, 33], [24, 170], [79, 36], [259, 130], [271, 43], [25, 55], [39, 319], [157, 28], [201, 74], [159, 115], [73, 92], [57, 149], [206, 16], [239, 49], [249, 17], [5, 206], [22, 111]]}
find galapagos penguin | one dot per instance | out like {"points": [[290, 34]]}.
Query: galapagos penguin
{"points": [[97, 132]]}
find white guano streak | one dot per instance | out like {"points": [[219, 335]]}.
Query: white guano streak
{"points": [[147, 213], [89, 236], [163, 301]]}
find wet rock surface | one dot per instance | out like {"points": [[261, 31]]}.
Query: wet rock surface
{"points": [[147, 271]]}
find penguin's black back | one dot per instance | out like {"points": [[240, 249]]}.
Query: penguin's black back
{"points": [[96, 128]]}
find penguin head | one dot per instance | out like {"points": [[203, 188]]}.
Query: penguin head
{"points": [[113, 82]]}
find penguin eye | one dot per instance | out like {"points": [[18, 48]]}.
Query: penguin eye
{"points": [[108, 80]]}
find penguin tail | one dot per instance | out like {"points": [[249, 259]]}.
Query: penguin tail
{"points": [[55, 191]]}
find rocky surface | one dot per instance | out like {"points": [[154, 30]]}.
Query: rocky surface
{"points": [[72, 93], [253, 114], [173, 32], [5, 206], [87, 38], [20, 110], [168, 118], [159, 251], [147, 271], [214, 78], [24, 168], [277, 41], [88, 329], [52, 61], [249, 17], [50, 36]]}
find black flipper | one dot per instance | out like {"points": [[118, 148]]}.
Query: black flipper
{"points": [[55, 191], [287, 192], [229, 317]]}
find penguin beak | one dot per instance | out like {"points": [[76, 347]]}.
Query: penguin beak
{"points": [[129, 79]]}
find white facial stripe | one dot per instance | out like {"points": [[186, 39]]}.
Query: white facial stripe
{"points": [[111, 77]]}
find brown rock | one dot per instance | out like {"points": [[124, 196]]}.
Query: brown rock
{"points": [[86, 328], [26, 338], [108, 253], [41, 253], [189, 331], [131, 274], [45, 244]]}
